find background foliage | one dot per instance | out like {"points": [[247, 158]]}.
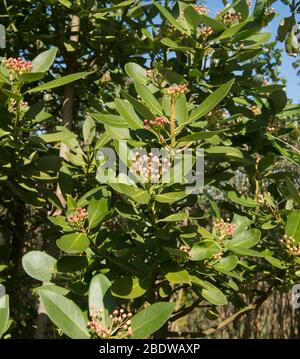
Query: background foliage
{"points": [[184, 265]]}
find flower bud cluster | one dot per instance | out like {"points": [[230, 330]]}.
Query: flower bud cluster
{"points": [[157, 124], [224, 229], [24, 104], [120, 326], [263, 198], [292, 246], [201, 9], [177, 89], [218, 255], [255, 109], [230, 18], [17, 65], [205, 31], [149, 168], [78, 216], [269, 11], [185, 249], [106, 77]]}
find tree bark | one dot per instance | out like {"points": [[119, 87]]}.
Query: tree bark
{"points": [[43, 323]]}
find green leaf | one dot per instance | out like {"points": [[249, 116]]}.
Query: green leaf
{"points": [[292, 190], [4, 314], [69, 264], [97, 211], [151, 319], [241, 223], [130, 287], [285, 27], [174, 217], [88, 130], [195, 19], [138, 106], [65, 314], [58, 136], [214, 296], [44, 60], [170, 197], [211, 101], [170, 18], [12, 95], [241, 200], [100, 297], [111, 120], [244, 251], [39, 265], [136, 72], [277, 262], [31, 76], [148, 98], [126, 110], [203, 250], [278, 100], [197, 136], [227, 264], [228, 151], [60, 82], [137, 194], [233, 30], [115, 7], [259, 9], [245, 239], [292, 227], [175, 274], [73, 243], [52, 288], [210, 292]]}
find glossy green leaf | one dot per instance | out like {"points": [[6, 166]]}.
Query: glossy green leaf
{"points": [[245, 239], [127, 111], [175, 274], [137, 194], [226, 264], [44, 60], [60, 82], [136, 72], [4, 314], [97, 211], [203, 250], [111, 120], [174, 217], [148, 98], [65, 314], [170, 197], [39, 265], [130, 287], [151, 319], [241, 200], [73, 243], [100, 297], [292, 227], [211, 101]]}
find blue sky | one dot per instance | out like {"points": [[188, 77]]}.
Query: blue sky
{"points": [[287, 71]]}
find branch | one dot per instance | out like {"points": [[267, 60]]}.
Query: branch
{"points": [[225, 322]]}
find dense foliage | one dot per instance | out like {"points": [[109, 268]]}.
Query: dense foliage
{"points": [[128, 258]]}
